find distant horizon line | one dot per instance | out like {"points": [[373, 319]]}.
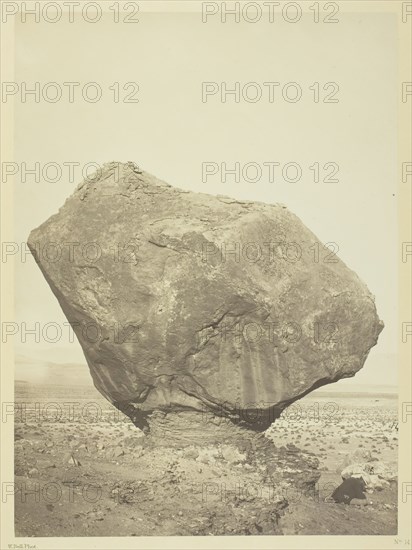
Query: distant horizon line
{"points": [[329, 390]]}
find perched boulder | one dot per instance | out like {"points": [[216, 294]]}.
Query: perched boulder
{"points": [[188, 305]]}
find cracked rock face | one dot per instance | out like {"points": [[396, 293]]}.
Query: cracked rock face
{"points": [[188, 304]]}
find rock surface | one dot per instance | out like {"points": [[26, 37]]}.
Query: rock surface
{"points": [[376, 475], [350, 489], [187, 303]]}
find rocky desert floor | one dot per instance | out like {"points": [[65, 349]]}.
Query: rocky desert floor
{"points": [[83, 469]]}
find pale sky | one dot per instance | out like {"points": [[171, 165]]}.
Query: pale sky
{"points": [[171, 132]]}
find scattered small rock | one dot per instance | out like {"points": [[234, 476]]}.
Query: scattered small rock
{"points": [[191, 453], [73, 461], [118, 451]]}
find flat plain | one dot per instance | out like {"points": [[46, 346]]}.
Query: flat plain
{"points": [[82, 469]]}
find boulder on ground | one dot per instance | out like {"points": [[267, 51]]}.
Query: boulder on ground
{"points": [[351, 488], [376, 475]]}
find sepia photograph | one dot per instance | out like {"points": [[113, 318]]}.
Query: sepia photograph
{"points": [[206, 274]]}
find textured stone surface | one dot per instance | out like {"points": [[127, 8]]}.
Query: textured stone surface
{"points": [[172, 322], [376, 475]]}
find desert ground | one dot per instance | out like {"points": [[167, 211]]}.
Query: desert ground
{"points": [[82, 469]]}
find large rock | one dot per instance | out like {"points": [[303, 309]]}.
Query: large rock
{"points": [[376, 475], [187, 303]]}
